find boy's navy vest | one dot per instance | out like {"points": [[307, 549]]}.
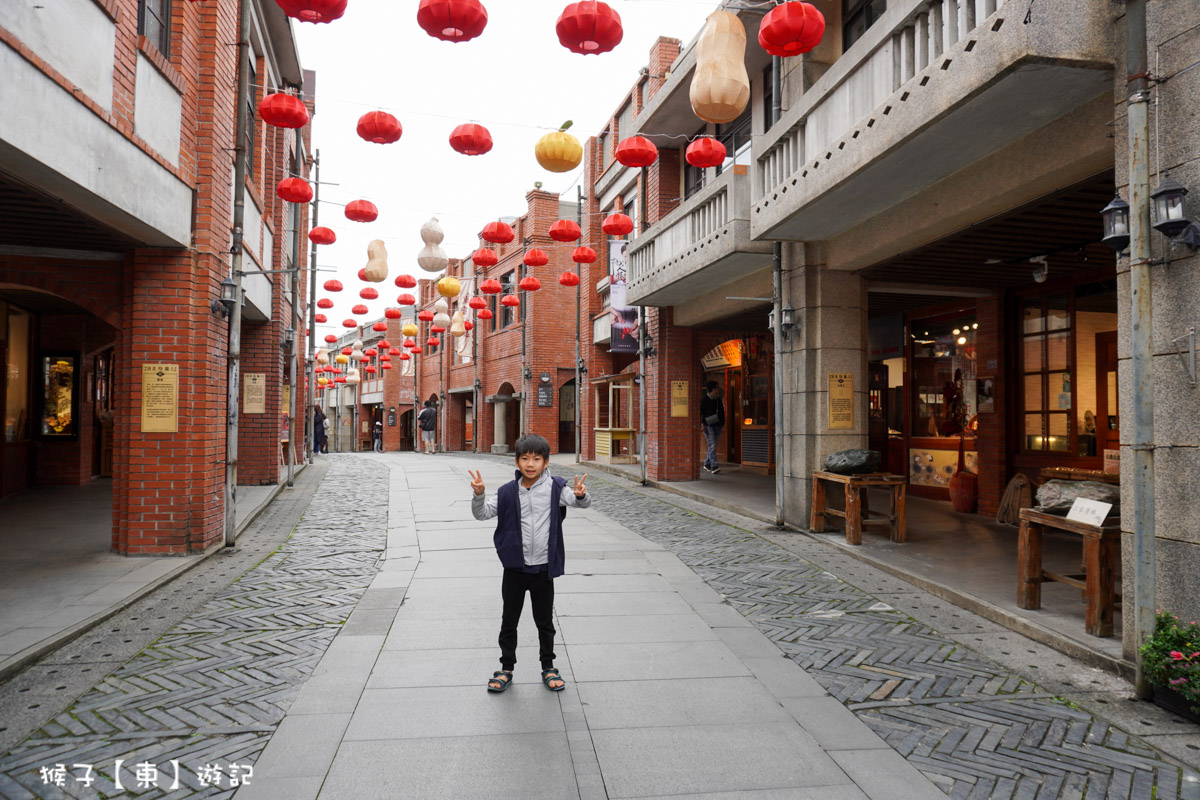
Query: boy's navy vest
{"points": [[508, 528]]}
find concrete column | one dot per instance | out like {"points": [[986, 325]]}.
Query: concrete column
{"points": [[500, 428], [831, 337]]}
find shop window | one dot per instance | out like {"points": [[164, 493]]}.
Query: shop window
{"points": [[16, 399], [507, 315], [154, 22], [1047, 363], [857, 16], [59, 395], [736, 138], [251, 116], [943, 376]]}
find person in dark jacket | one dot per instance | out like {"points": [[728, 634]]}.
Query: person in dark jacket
{"points": [[319, 437], [712, 419], [427, 420], [529, 541]]}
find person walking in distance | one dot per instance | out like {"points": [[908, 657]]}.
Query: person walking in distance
{"points": [[427, 421], [712, 419], [378, 436], [319, 431], [529, 541]]}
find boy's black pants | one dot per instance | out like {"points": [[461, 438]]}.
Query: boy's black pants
{"points": [[541, 594]]}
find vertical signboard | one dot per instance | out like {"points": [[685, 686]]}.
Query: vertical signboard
{"points": [[841, 401], [254, 393], [160, 398], [624, 317], [679, 399]]}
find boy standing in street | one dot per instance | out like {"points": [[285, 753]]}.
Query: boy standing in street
{"points": [[529, 542]]}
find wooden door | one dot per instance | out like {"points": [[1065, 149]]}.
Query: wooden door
{"points": [[1108, 412], [877, 407], [733, 418]]}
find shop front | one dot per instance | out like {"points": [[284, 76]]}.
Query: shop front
{"points": [[742, 369]]}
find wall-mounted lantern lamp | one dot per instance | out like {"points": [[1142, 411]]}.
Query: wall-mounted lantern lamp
{"points": [[1166, 208], [289, 339], [224, 306], [1116, 224]]}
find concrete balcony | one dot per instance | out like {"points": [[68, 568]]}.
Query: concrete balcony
{"points": [[932, 87], [702, 244]]}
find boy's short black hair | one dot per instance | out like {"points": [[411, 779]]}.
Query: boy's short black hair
{"points": [[710, 386], [533, 444]]}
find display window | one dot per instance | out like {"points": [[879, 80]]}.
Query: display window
{"points": [[17, 329]]}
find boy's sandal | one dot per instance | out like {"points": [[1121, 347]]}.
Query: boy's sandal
{"points": [[501, 680], [553, 675]]}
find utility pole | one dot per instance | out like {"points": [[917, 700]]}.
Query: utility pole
{"points": [[295, 326], [524, 311], [309, 418], [642, 383], [578, 312], [777, 315]]}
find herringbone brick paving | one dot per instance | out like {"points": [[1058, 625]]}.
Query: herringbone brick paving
{"points": [[214, 687]]}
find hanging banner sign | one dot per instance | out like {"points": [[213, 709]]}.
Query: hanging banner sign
{"points": [[624, 317]]}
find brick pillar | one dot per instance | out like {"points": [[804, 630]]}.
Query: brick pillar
{"points": [[663, 53], [259, 434], [672, 449], [989, 438]]}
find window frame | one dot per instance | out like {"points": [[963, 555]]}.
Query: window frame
{"points": [[162, 42], [854, 11]]}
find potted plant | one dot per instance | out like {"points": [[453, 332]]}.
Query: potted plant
{"points": [[1171, 659]]}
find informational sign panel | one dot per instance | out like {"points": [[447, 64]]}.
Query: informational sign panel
{"points": [[287, 399], [254, 393], [545, 395], [841, 401], [679, 399], [624, 317], [160, 398]]}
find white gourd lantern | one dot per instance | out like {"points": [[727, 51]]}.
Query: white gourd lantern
{"points": [[457, 328], [432, 258], [441, 313], [377, 268], [352, 376], [720, 85], [322, 355]]}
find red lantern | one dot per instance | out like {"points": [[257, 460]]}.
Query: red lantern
{"points": [[490, 286], [477, 303], [484, 314], [529, 284], [617, 225], [471, 139], [406, 281], [425, 316], [452, 20], [324, 302], [384, 343], [409, 343], [790, 29], [393, 351], [283, 111], [564, 231], [536, 258], [361, 211], [510, 300], [370, 369], [330, 338], [467, 324], [294, 190], [483, 257], [497, 233], [636, 151], [347, 351], [362, 274], [379, 327], [333, 285], [568, 279], [379, 127], [359, 309], [583, 255], [313, 10], [322, 236], [405, 357], [349, 323], [589, 27], [436, 329], [705, 152], [320, 318], [431, 342], [385, 365], [340, 379], [370, 351], [392, 313], [406, 300], [368, 293]]}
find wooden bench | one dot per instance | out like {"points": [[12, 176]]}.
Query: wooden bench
{"points": [[857, 513], [1101, 552]]}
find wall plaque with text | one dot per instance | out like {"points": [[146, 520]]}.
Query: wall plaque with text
{"points": [[254, 393], [160, 398], [679, 399], [841, 401]]}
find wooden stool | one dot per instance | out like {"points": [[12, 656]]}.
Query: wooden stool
{"points": [[857, 513]]}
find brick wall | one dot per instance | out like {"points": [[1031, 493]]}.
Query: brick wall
{"points": [[990, 440]]}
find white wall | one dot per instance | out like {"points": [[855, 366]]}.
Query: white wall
{"points": [[157, 111], [75, 37]]}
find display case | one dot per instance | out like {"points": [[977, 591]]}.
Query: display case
{"points": [[58, 396]]}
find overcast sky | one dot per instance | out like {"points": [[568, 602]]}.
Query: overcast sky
{"points": [[515, 79]]}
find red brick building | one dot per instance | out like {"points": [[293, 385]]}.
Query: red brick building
{"points": [[116, 173]]}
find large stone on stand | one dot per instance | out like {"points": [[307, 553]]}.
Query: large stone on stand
{"points": [[854, 462]]}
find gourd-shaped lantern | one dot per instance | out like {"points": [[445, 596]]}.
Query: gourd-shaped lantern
{"points": [[485, 313], [490, 286], [359, 309], [477, 303], [324, 302], [529, 284], [322, 355], [583, 255], [636, 151], [320, 318], [449, 286], [330, 338], [349, 323], [456, 325], [376, 269], [410, 330], [452, 20], [322, 235], [720, 86], [568, 279], [392, 313], [313, 10], [497, 233], [361, 211], [441, 313], [425, 315], [283, 110], [564, 230], [617, 225], [294, 190], [483, 257], [558, 151], [406, 281], [333, 285], [368, 293], [379, 127], [352, 376], [705, 152], [535, 258], [379, 326], [471, 139], [589, 28], [432, 258], [790, 29], [406, 300]]}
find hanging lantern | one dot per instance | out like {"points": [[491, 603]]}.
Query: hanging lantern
{"points": [[352, 376], [457, 326], [404, 357], [437, 328], [359, 309], [322, 381], [347, 351], [431, 257], [322, 236], [379, 327], [705, 152], [484, 313], [441, 313], [720, 86], [529, 284], [392, 313], [425, 315], [491, 286], [337, 370], [536, 258], [467, 324], [362, 274], [393, 351], [636, 151], [339, 379], [379, 127], [283, 110], [341, 358], [385, 365], [497, 233], [583, 255], [452, 20], [320, 318], [568, 279], [313, 10], [370, 352], [361, 211], [410, 329], [369, 369], [589, 28], [409, 343], [406, 281], [368, 293], [376, 269], [510, 300], [349, 323], [790, 29], [483, 257], [617, 225], [384, 344], [333, 285], [330, 338], [406, 300], [558, 151], [471, 139], [477, 303], [294, 190], [449, 286], [431, 342], [324, 302], [564, 230]]}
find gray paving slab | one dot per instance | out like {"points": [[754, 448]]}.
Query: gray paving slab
{"points": [[281, 789], [839, 792], [594, 564], [650, 628], [831, 725], [453, 634], [572, 583], [303, 746], [463, 667], [630, 604], [748, 643], [884, 774], [664, 703], [654, 661], [466, 568], [428, 712]]}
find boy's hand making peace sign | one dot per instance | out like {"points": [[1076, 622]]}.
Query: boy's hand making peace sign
{"points": [[580, 489], [476, 481]]}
